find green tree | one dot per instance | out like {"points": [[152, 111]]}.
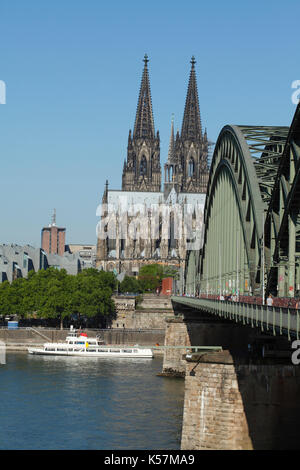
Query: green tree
{"points": [[92, 296], [4, 299], [55, 300], [13, 298], [56, 295], [151, 275], [130, 284]]}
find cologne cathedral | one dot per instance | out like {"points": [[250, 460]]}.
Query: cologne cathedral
{"points": [[144, 223]]}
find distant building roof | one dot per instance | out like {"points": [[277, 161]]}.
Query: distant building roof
{"points": [[131, 200]]}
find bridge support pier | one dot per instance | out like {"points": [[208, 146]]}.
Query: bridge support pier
{"points": [[176, 334], [232, 405], [192, 329]]}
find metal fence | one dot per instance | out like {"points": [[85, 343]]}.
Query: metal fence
{"points": [[277, 320]]}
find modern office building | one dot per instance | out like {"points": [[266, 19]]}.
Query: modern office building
{"points": [[16, 261]]}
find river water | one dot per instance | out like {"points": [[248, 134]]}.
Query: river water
{"points": [[88, 403]]}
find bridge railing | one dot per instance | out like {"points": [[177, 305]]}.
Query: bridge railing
{"points": [[278, 320]]}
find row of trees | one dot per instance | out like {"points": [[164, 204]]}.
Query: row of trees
{"points": [[58, 297], [149, 279], [54, 294]]}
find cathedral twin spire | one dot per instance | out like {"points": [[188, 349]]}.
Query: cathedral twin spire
{"points": [[144, 122], [142, 171], [191, 124], [187, 167]]}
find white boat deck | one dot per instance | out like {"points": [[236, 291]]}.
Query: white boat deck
{"points": [[78, 344]]}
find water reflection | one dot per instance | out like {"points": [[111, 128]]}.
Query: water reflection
{"points": [[88, 403]]}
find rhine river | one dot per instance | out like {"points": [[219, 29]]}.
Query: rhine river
{"points": [[88, 403]]}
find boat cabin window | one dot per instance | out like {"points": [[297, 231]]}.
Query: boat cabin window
{"points": [[127, 351], [115, 350]]}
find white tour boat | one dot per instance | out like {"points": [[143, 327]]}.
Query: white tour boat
{"points": [[78, 344]]}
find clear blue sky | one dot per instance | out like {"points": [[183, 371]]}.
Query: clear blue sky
{"points": [[73, 70]]}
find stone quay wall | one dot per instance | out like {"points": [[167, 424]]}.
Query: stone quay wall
{"points": [[21, 338], [140, 319], [131, 337], [150, 314]]}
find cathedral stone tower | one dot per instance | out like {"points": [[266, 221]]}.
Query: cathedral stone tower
{"points": [[187, 166], [142, 171]]}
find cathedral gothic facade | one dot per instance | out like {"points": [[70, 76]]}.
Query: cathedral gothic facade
{"points": [[144, 223], [142, 170]]}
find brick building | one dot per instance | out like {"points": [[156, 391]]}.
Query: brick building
{"points": [[53, 238]]}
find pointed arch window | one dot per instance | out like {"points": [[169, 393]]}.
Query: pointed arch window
{"points": [[182, 162], [191, 169], [143, 166]]}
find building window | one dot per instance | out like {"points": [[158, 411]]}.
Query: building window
{"points": [[191, 167], [25, 258], [143, 166]]}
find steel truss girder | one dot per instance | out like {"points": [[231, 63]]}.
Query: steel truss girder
{"points": [[283, 218], [266, 145], [233, 156], [263, 169]]}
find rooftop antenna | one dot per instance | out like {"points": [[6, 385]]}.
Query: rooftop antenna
{"points": [[53, 222]]}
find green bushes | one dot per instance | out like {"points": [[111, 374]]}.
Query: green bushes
{"points": [[130, 284]]}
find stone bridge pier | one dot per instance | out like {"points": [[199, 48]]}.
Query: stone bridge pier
{"points": [[243, 397], [232, 405], [188, 328]]}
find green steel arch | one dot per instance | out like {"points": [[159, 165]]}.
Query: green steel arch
{"points": [[242, 176], [282, 227], [231, 216], [192, 272]]}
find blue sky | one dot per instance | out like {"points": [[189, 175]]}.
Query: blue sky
{"points": [[72, 71]]}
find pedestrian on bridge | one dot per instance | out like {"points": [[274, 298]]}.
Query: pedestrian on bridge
{"points": [[270, 301]]}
